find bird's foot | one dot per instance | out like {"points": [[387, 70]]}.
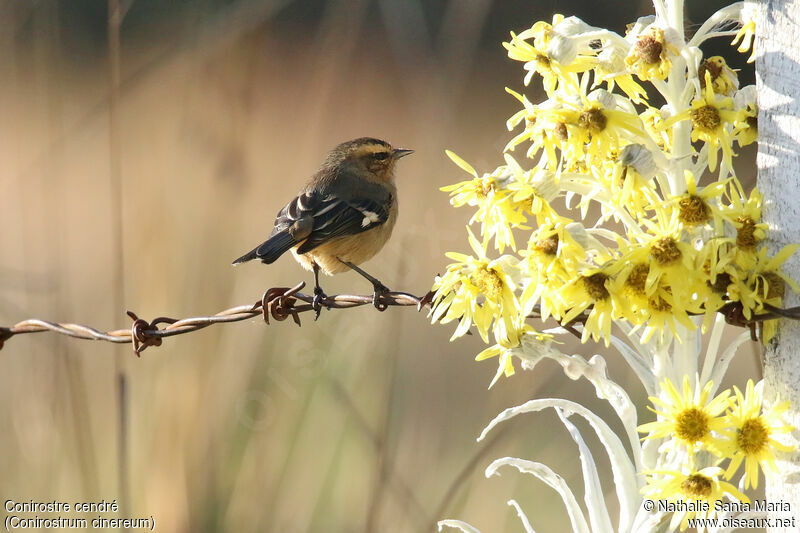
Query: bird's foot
{"points": [[316, 303], [379, 291]]}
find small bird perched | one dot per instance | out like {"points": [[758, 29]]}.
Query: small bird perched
{"points": [[343, 216]]}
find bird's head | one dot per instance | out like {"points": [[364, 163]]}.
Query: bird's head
{"points": [[372, 158]]}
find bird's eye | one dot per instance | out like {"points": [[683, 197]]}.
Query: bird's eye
{"points": [[380, 156]]}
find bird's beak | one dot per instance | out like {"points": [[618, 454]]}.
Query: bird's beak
{"points": [[401, 152]]}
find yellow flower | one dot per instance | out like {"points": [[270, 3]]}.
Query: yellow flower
{"points": [[711, 117], [496, 212], [654, 126], [610, 69], [662, 311], [745, 127], [476, 290], [746, 33], [689, 419], [752, 440], [764, 284], [698, 208], [723, 78], [690, 487], [649, 57], [551, 259], [471, 192], [596, 128], [744, 214], [538, 60], [629, 180], [504, 349], [589, 289], [541, 133], [532, 190], [670, 260], [658, 311]]}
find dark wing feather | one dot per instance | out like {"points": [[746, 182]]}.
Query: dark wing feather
{"points": [[292, 225], [313, 218], [347, 218], [300, 210]]}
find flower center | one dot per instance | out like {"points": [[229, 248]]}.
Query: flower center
{"points": [[691, 425], [659, 304], [595, 286], [593, 120], [665, 251], [770, 285], [543, 62], [561, 132], [637, 279], [484, 187], [488, 282], [649, 49], [745, 235], [753, 436], [720, 285], [696, 486], [712, 67], [693, 210], [548, 245], [706, 117]]}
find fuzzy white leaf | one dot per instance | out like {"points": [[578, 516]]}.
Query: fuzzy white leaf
{"points": [[648, 521], [725, 16], [713, 348], [457, 524], [685, 354], [593, 497], [575, 367], [622, 468], [609, 390], [637, 363], [522, 517], [721, 365], [556, 482]]}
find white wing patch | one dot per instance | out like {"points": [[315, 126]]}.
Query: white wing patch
{"points": [[328, 207], [369, 218]]}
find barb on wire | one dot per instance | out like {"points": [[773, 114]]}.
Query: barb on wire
{"points": [[278, 303]]}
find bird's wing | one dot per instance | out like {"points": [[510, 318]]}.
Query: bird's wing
{"points": [[298, 216], [293, 224], [336, 217], [315, 217]]}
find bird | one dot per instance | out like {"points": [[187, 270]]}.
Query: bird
{"points": [[342, 217]]}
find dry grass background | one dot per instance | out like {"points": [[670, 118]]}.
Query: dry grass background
{"points": [[360, 421]]}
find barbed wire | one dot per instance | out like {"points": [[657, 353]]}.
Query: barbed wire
{"points": [[278, 303], [281, 303]]}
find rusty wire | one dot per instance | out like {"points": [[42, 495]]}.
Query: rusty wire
{"points": [[281, 303], [278, 303]]}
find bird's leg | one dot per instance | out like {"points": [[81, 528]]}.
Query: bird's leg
{"points": [[378, 288], [319, 295]]}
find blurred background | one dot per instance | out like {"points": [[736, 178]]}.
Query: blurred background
{"points": [[142, 153]]}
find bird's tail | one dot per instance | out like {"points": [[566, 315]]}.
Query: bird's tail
{"points": [[270, 250]]}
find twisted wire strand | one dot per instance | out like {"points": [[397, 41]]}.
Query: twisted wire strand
{"points": [[278, 303]]}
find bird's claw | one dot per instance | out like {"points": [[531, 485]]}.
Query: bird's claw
{"points": [[316, 303], [379, 291]]}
